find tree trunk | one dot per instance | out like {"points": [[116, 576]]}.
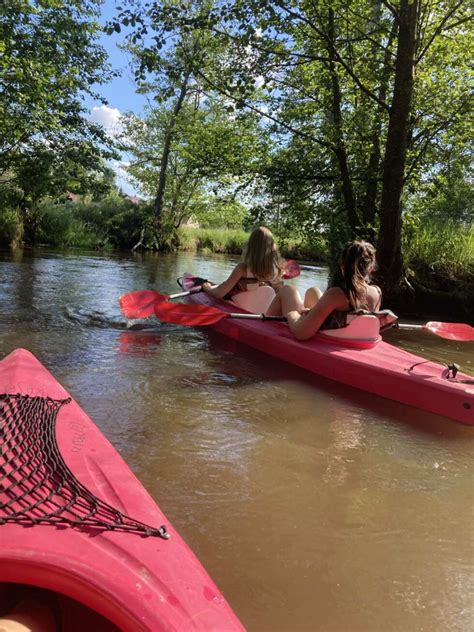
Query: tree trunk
{"points": [[340, 148], [369, 205], [158, 204], [389, 242]]}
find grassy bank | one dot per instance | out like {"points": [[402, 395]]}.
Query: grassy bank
{"points": [[432, 250], [439, 257], [447, 248], [207, 241]]}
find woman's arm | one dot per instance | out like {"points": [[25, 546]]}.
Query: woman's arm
{"points": [[305, 325], [219, 291]]}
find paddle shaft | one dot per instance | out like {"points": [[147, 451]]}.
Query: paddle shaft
{"points": [[254, 316], [181, 294]]}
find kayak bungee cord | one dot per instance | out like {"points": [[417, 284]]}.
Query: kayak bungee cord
{"points": [[38, 485]]}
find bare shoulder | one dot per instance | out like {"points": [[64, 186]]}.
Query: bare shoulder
{"points": [[374, 294], [336, 296]]}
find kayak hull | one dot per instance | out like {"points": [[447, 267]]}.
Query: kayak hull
{"points": [[383, 369], [137, 583]]}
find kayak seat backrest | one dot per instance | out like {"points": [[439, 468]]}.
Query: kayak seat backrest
{"points": [[257, 300], [364, 328]]}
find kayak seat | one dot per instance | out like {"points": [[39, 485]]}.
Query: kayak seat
{"points": [[365, 328], [257, 300]]}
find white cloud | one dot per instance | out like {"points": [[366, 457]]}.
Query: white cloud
{"points": [[109, 118]]}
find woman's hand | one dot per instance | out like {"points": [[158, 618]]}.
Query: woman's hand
{"points": [[293, 316], [206, 286]]}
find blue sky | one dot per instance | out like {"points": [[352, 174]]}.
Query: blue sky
{"points": [[119, 93]]}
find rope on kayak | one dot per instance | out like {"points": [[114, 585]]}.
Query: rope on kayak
{"points": [[36, 485], [449, 372]]}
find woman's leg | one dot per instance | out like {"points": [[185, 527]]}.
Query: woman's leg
{"points": [[287, 300], [29, 616], [311, 297]]}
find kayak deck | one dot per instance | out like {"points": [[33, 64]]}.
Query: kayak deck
{"points": [[133, 581], [384, 370]]}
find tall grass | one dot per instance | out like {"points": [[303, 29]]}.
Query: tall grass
{"points": [[230, 241], [210, 240], [446, 247]]}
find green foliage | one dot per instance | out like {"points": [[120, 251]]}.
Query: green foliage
{"points": [[443, 245], [233, 241], [11, 227], [212, 240], [49, 55], [49, 58], [322, 76], [112, 222], [208, 157]]}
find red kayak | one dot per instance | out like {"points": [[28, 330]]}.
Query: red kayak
{"points": [[376, 367], [74, 520]]}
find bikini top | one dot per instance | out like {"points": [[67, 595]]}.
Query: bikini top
{"points": [[338, 318], [246, 282]]}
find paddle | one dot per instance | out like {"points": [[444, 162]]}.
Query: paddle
{"points": [[449, 331], [141, 304], [292, 269], [201, 315]]}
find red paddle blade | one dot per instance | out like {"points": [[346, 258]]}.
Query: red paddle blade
{"points": [[184, 314], [451, 331], [292, 269], [140, 304]]}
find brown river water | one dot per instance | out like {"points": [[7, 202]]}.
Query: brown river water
{"points": [[314, 507]]}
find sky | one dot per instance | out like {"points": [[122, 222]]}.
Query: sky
{"points": [[119, 93]]}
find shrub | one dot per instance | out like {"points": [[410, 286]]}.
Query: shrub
{"points": [[11, 227]]}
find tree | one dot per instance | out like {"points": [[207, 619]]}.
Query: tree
{"points": [[351, 84], [210, 156], [50, 59], [170, 56]]}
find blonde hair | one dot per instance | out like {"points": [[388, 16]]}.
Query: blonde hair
{"points": [[261, 255]]}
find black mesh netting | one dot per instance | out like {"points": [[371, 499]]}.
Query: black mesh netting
{"points": [[36, 486]]}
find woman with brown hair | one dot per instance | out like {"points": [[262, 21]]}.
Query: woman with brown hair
{"points": [[352, 291]]}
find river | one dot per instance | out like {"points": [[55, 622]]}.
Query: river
{"points": [[313, 506]]}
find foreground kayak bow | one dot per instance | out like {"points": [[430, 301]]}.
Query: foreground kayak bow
{"points": [[76, 521]]}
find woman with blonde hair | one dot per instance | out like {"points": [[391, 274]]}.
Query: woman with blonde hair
{"points": [[254, 280]]}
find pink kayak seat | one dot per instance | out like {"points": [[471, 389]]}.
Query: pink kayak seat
{"points": [[365, 328], [257, 300]]}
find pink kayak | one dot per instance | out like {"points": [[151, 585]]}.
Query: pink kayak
{"points": [[379, 368], [74, 520]]}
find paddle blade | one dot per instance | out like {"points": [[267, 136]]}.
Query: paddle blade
{"points": [[451, 331], [292, 269], [184, 314], [140, 304]]}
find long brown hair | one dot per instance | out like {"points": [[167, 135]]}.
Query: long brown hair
{"points": [[356, 263], [261, 255]]}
